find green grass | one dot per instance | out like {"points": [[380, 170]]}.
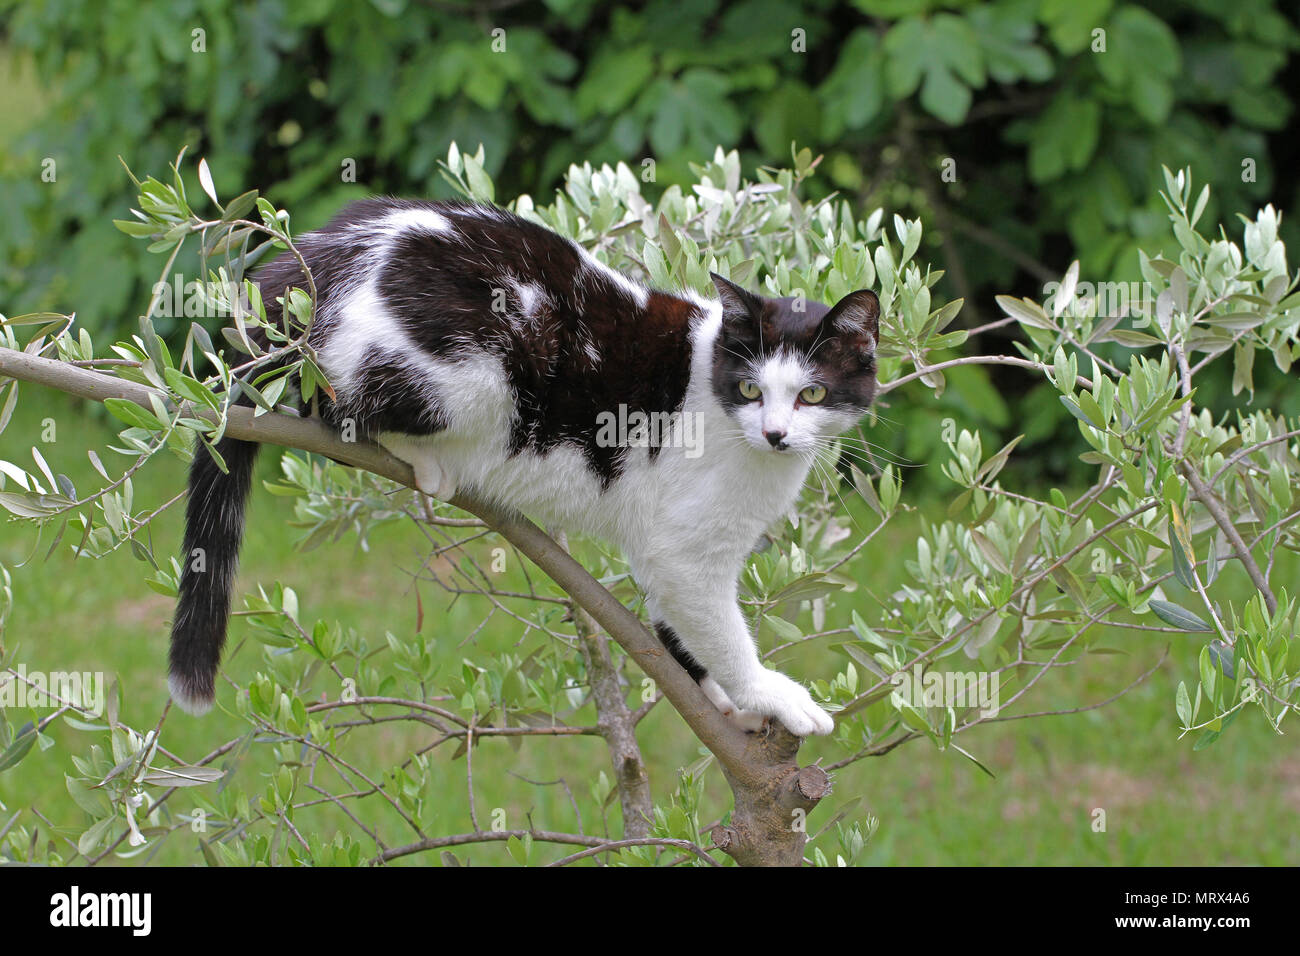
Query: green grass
{"points": [[1233, 803]]}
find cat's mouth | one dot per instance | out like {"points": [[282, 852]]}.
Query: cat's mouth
{"points": [[780, 447]]}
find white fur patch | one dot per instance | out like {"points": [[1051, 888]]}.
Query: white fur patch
{"points": [[404, 220], [531, 298], [360, 322], [746, 720], [359, 316], [195, 706]]}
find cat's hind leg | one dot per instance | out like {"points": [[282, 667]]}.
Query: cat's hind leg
{"points": [[392, 400], [431, 475]]}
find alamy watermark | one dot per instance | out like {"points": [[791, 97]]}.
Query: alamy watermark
{"points": [[133, 911], [638, 429], [951, 689], [1112, 300], [200, 298], [83, 690]]}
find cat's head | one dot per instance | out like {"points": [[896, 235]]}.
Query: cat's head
{"points": [[794, 373]]}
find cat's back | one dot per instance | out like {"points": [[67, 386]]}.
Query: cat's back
{"points": [[462, 257], [464, 317], [447, 274]]}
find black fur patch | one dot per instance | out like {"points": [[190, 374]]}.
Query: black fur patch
{"points": [[680, 654], [390, 397]]}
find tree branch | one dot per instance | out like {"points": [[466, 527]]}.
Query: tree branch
{"points": [[1206, 497], [617, 725]]}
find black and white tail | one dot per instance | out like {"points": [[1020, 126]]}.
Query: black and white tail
{"points": [[214, 528]]}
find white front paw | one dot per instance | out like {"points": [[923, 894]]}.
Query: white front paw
{"points": [[750, 721], [773, 694]]}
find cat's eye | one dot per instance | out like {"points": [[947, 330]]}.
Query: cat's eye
{"points": [[813, 394], [749, 390]]}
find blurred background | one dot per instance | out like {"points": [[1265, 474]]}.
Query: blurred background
{"points": [[1025, 133]]}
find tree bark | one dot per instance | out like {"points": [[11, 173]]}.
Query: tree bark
{"points": [[617, 725], [762, 771]]}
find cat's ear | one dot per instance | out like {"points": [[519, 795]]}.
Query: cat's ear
{"points": [[739, 308], [857, 316]]}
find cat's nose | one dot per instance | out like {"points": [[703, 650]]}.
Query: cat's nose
{"points": [[775, 439]]}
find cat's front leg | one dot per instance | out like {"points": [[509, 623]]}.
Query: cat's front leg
{"points": [[711, 639], [431, 476]]}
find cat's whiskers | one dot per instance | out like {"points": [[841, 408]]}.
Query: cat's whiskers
{"points": [[750, 358], [876, 414], [828, 474], [817, 342], [864, 444], [871, 453]]}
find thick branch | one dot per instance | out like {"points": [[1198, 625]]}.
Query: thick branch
{"points": [[764, 819]]}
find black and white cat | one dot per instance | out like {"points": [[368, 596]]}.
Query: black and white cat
{"points": [[492, 355]]}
